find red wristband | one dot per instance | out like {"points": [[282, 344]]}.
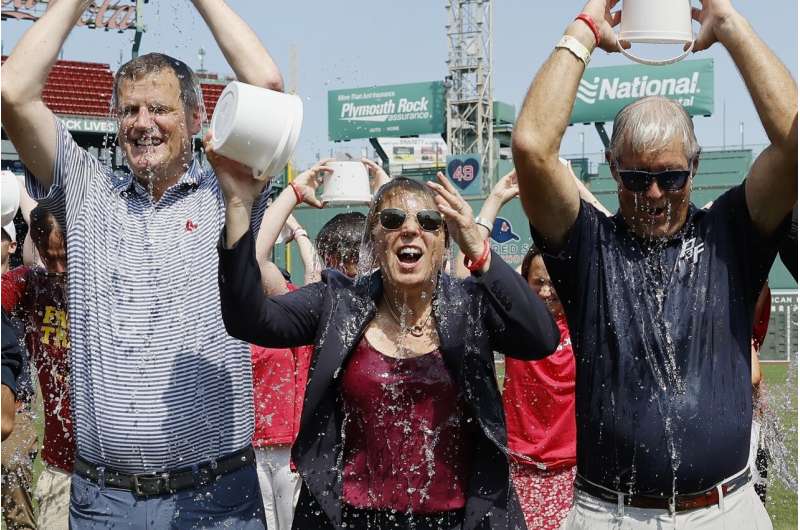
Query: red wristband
{"points": [[592, 26], [478, 263], [297, 193]]}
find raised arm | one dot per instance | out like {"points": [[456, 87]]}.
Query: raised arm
{"points": [[503, 191], [771, 188], [242, 48], [30, 125], [312, 266], [547, 188], [301, 189]]}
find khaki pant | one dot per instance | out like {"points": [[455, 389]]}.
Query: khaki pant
{"points": [[52, 494], [741, 510], [18, 452]]}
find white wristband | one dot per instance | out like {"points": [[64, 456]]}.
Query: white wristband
{"points": [[568, 42], [484, 222], [299, 232]]}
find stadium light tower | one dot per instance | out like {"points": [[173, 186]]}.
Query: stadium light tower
{"points": [[469, 82]]}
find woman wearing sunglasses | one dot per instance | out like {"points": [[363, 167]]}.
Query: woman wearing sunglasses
{"points": [[402, 425]]}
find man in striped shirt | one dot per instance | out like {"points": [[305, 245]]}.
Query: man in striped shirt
{"points": [[162, 396]]}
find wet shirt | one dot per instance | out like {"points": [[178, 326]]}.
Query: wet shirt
{"points": [[539, 403], [406, 441], [157, 383], [661, 335], [39, 300]]}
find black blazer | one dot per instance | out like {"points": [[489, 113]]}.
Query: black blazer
{"points": [[474, 317]]}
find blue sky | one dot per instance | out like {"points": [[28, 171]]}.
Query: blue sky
{"points": [[355, 43]]}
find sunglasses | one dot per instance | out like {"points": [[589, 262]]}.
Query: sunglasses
{"points": [[637, 181], [393, 219]]}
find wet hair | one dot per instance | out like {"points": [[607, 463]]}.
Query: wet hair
{"points": [[338, 241], [527, 261], [650, 124], [43, 224], [153, 63], [398, 187]]}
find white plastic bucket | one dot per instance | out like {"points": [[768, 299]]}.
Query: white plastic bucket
{"points": [[257, 127], [347, 184], [9, 196], [656, 22]]}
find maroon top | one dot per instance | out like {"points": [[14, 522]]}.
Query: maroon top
{"points": [[407, 443]]}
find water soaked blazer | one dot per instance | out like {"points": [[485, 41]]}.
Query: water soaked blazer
{"points": [[474, 317]]}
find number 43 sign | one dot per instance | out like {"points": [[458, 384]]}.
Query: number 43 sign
{"points": [[465, 172]]}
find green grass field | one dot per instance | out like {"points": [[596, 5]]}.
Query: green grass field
{"points": [[782, 503]]}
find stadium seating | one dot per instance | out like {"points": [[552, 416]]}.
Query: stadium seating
{"points": [[77, 88]]}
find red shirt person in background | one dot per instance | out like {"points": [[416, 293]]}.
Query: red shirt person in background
{"points": [[280, 374], [38, 297], [539, 403]]}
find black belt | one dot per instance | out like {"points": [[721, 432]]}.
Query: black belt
{"points": [[165, 482], [678, 503]]}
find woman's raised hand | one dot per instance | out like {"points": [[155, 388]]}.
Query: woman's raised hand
{"points": [[458, 215]]}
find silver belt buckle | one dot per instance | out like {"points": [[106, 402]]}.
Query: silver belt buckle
{"points": [[149, 484]]}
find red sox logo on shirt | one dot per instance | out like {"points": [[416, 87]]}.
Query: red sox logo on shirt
{"points": [[190, 225]]}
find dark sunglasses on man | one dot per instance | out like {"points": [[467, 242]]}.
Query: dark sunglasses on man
{"points": [[637, 180], [393, 219]]}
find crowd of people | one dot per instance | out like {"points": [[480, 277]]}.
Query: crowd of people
{"points": [[188, 383]]}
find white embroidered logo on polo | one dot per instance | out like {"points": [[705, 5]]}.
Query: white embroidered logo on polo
{"points": [[691, 250]]}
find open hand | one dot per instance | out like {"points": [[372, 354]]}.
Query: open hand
{"points": [[712, 15], [506, 188], [309, 180], [458, 216], [600, 11]]}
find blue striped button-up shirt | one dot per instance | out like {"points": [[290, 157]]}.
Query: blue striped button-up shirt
{"points": [[156, 382]]}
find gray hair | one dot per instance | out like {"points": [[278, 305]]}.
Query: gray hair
{"points": [[152, 63], [651, 124]]}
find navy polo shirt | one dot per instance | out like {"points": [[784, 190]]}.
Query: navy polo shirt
{"points": [[661, 333]]}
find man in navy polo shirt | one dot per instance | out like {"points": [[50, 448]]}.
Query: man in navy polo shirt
{"points": [[660, 297]]}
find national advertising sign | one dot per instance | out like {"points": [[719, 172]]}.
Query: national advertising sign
{"points": [[604, 91], [397, 110]]}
